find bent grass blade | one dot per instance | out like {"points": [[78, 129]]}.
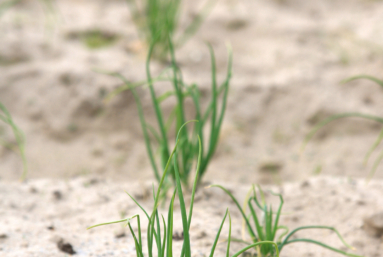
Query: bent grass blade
{"points": [[354, 114]]}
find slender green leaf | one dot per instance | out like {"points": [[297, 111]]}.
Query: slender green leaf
{"points": [[229, 236], [108, 223], [316, 227], [19, 136], [169, 241], [252, 234], [186, 243], [337, 117], [217, 236], [258, 226], [196, 23], [373, 147], [378, 81], [257, 244], [323, 245], [376, 164]]}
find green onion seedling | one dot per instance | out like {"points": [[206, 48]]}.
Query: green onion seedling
{"points": [[267, 229], [160, 233]]}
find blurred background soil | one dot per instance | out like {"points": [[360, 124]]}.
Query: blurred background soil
{"points": [[289, 59]]}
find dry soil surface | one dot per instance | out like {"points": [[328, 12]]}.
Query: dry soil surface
{"points": [[51, 210], [289, 59]]}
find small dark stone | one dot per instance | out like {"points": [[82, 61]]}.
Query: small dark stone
{"points": [[305, 184], [57, 195], [178, 236], [201, 235], [33, 190], [65, 247], [270, 167], [51, 228], [374, 225], [3, 236], [120, 234], [93, 181], [361, 202]]}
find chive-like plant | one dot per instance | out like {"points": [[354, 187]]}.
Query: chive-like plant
{"points": [[6, 118], [266, 227], [159, 233], [157, 19], [378, 119], [211, 117]]}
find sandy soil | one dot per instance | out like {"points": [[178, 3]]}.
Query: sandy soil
{"points": [[289, 59], [55, 209]]}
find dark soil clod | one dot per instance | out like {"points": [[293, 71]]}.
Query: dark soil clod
{"points": [[120, 234], [57, 195], [65, 247], [374, 225], [178, 236]]}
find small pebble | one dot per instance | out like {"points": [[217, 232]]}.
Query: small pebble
{"points": [[57, 195], [373, 225], [65, 247]]}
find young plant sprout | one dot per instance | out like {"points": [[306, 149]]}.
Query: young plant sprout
{"points": [[359, 115], [267, 229], [6, 117], [160, 233], [212, 116]]}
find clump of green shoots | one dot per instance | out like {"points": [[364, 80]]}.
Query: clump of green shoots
{"points": [[359, 115], [211, 117], [266, 228], [157, 19], [6, 117], [160, 234]]}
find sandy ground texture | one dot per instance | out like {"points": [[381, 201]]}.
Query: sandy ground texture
{"points": [[289, 59], [51, 210]]}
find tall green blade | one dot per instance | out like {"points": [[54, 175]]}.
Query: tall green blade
{"points": [[138, 246], [278, 214], [186, 243], [217, 236], [165, 238], [195, 184], [258, 226], [229, 237], [156, 106], [169, 241]]}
